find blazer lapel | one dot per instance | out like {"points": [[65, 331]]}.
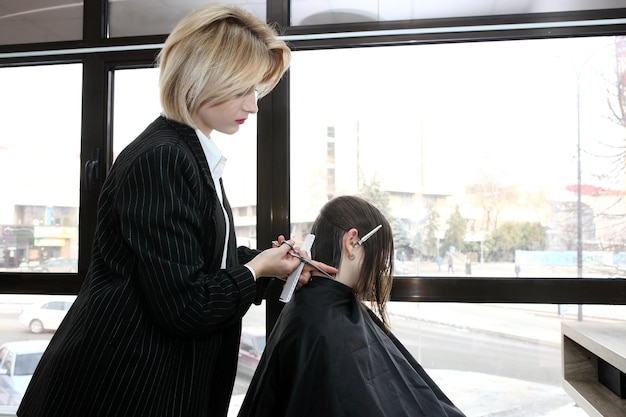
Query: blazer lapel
{"points": [[219, 223], [191, 139]]}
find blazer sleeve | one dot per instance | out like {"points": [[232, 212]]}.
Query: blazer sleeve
{"points": [[162, 206]]}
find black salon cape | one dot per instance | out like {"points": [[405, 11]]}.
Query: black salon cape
{"points": [[328, 356]]}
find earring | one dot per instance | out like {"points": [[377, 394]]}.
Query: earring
{"points": [[351, 256]]}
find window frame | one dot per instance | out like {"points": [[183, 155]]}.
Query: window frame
{"points": [[101, 56]]}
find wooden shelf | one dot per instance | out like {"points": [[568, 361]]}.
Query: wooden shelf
{"points": [[583, 344]]}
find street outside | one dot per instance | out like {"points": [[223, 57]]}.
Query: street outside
{"points": [[503, 270], [477, 394], [523, 336]]}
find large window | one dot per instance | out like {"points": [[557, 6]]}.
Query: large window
{"points": [[136, 105], [501, 156], [478, 154], [489, 157]]}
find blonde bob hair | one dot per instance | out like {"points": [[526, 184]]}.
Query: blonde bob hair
{"points": [[216, 53]]}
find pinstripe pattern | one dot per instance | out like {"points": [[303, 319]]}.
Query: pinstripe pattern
{"points": [[155, 328]]}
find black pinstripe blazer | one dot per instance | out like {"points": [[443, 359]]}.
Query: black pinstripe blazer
{"points": [[155, 328]]}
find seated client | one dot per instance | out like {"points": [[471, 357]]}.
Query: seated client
{"points": [[329, 354]]}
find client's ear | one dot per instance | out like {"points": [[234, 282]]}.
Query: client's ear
{"points": [[350, 241]]}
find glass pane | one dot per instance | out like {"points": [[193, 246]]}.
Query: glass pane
{"points": [[40, 167], [27, 323], [495, 359], [477, 153], [40, 21], [253, 339], [150, 17], [136, 104], [487, 358], [315, 12]]}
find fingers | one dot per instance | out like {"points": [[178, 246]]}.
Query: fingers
{"points": [[305, 278], [322, 266], [308, 269], [279, 241], [290, 244]]}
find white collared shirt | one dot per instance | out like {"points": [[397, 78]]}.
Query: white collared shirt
{"points": [[216, 162]]}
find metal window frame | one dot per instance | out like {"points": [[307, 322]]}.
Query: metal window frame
{"points": [[100, 56]]}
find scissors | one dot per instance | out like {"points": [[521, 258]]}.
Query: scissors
{"points": [[307, 261]]}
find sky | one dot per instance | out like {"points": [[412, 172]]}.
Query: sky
{"points": [[509, 105]]}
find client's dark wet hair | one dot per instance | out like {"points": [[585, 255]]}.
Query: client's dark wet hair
{"points": [[337, 217]]}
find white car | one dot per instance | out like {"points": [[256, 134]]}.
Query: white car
{"points": [[47, 314], [18, 361]]}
